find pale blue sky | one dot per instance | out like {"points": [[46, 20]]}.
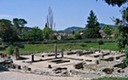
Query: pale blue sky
{"points": [[67, 13]]}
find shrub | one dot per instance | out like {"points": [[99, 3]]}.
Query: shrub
{"points": [[83, 45], [71, 37], [100, 42], [126, 58], [10, 49]]}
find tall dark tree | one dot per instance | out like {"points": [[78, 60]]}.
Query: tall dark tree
{"points": [[92, 20], [6, 31], [50, 22], [19, 27], [19, 24], [92, 27]]}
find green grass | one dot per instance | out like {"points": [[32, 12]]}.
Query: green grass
{"points": [[111, 79], [33, 48]]}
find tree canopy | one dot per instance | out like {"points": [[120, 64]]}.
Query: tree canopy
{"points": [[47, 32], [115, 2], [6, 31], [122, 37], [92, 27]]}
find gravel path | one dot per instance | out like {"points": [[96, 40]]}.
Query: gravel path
{"points": [[7, 75]]}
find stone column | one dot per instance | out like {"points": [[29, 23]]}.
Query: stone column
{"points": [[62, 53], [55, 50], [32, 58], [16, 53]]}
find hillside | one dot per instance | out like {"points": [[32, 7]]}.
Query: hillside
{"points": [[71, 29], [101, 25]]}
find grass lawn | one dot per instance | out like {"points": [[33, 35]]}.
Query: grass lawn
{"points": [[33, 48], [111, 79]]}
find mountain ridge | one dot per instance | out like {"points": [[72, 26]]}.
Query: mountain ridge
{"points": [[76, 28]]}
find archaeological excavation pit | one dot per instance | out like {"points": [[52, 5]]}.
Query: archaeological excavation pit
{"points": [[58, 61]]}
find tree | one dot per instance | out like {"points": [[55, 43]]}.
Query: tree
{"points": [[19, 22], [108, 30], [115, 2], [49, 24], [10, 49], [115, 32], [47, 32], [122, 26], [36, 34], [100, 42], [6, 31], [122, 38], [125, 15], [50, 19], [19, 25], [92, 27], [92, 20], [126, 58]]}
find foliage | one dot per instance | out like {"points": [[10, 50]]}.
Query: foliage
{"points": [[121, 41], [100, 42], [47, 33], [19, 25], [115, 33], [6, 30], [126, 58], [115, 2], [93, 28], [10, 49], [125, 14], [35, 34], [78, 36], [83, 45], [19, 22], [121, 23], [92, 33], [50, 22], [111, 79], [92, 20], [71, 37], [18, 32], [108, 30]]}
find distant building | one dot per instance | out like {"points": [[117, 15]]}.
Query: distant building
{"points": [[102, 33]]}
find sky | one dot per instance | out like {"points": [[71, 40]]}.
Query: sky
{"points": [[66, 13]]}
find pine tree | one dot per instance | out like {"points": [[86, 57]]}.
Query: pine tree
{"points": [[92, 27]]}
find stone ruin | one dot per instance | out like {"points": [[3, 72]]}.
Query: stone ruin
{"points": [[16, 53], [60, 70], [108, 70], [84, 59], [79, 66], [120, 65]]}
